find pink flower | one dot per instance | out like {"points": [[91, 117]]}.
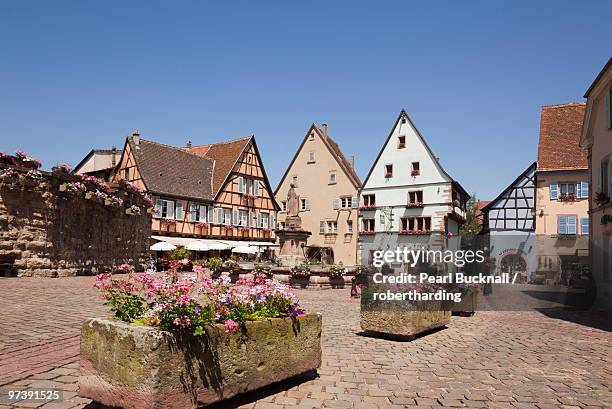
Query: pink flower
{"points": [[230, 326], [177, 321], [183, 299]]}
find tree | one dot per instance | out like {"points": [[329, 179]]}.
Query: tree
{"points": [[472, 225]]}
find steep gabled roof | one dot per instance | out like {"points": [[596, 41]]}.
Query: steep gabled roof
{"points": [[403, 114], [225, 155], [94, 152], [335, 151], [493, 202], [560, 132], [598, 78], [172, 171]]}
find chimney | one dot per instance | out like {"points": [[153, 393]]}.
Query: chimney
{"points": [[324, 129], [352, 160], [114, 155], [136, 137], [188, 146]]}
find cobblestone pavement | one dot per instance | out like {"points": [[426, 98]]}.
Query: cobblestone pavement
{"points": [[519, 360]]}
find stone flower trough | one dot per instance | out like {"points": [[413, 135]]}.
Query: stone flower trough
{"points": [[468, 305], [134, 366], [402, 321]]}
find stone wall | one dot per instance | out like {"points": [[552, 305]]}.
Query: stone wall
{"points": [[45, 233]]}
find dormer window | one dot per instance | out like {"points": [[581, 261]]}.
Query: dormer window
{"points": [[401, 142], [416, 169], [389, 170]]}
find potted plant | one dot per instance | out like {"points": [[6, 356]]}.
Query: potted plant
{"points": [[215, 264], [299, 275], [189, 343], [601, 198], [469, 300], [264, 269], [336, 275]]}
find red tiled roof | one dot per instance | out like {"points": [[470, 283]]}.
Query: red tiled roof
{"points": [[560, 131], [225, 154]]}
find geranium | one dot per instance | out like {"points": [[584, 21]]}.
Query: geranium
{"points": [[185, 303], [301, 270], [26, 159], [337, 271]]}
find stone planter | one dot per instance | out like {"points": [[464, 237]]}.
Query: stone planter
{"points": [[336, 281], [404, 321], [299, 281], [467, 306], [132, 366]]}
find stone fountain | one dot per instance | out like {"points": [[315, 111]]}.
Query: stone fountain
{"points": [[292, 238]]}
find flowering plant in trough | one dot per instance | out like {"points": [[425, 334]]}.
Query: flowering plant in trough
{"points": [[186, 304], [337, 271], [301, 270], [23, 159]]}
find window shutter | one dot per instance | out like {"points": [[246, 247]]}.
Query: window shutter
{"points": [[354, 202], [562, 227], [554, 190], [256, 187], [599, 176], [322, 227], [571, 224], [307, 204], [258, 217], [584, 225], [211, 215], [158, 208], [240, 184], [179, 211], [608, 103], [250, 219], [170, 209], [336, 204], [235, 217], [609, 192], [220, 215], [272, 221], [585, 189]]}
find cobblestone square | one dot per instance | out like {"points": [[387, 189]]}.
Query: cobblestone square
{"points": [[497, 360]]}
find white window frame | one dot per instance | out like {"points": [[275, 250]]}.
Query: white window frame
{"points": [[311, 157], [333, 177], [304, 204], [163, 210], [227, 216]]}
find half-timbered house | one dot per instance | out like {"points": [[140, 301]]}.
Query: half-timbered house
{"points": [[218, 191], [509, 222], [408, 199]]}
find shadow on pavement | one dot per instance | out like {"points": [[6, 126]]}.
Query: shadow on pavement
{"points": [[400, 338], [599, 320]]}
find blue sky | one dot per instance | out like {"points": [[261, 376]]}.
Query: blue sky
{"points": [[75, 75]]}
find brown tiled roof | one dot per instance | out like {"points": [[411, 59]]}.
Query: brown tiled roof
{"points": [[560, 131], [173, 171], [225, 154], [346, 165], [479, 205]]}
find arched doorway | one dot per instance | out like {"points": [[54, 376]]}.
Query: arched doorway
{"points": [[513, 264]]}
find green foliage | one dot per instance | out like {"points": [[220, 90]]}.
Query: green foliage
{"points": [[127, 307], [179, 253], [472, 226], [215, 262]]}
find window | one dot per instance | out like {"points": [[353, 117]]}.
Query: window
{"points": [[198, 213], [227, 216], [584, 226], [294, 180], [349, 226], [164, 209], [328, 227], [248, 186], [283, 206], [311, 136], [126, 173], [311, 157], [566, 225], [567, 189], [369, 200], [332, 177], [367, 225], [263, 220], [415, 198], [281, 225], [389, 170], [345, 202], [243, 218], [401, 142], [304, 204], [416, 224], [415, 169]]}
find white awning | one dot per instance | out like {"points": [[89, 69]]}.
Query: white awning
{"points": [[163, 246], [212, 243]]}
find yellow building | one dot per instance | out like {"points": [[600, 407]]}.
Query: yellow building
{"points": [[562, 224], [327, 186]]}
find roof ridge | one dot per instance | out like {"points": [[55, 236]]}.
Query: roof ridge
{"points": [[226, 141], [568, 104], [181, 149]]}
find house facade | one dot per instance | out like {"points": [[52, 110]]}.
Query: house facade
{"points": [[218, 191], [562, 228], [327, 186], [99, 163], [597, 139], [509, 223], [408, 199]]}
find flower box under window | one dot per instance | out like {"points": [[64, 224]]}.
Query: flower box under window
{"points": [[414, 204], [567, 198], [415, 232], [368, 233]]}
